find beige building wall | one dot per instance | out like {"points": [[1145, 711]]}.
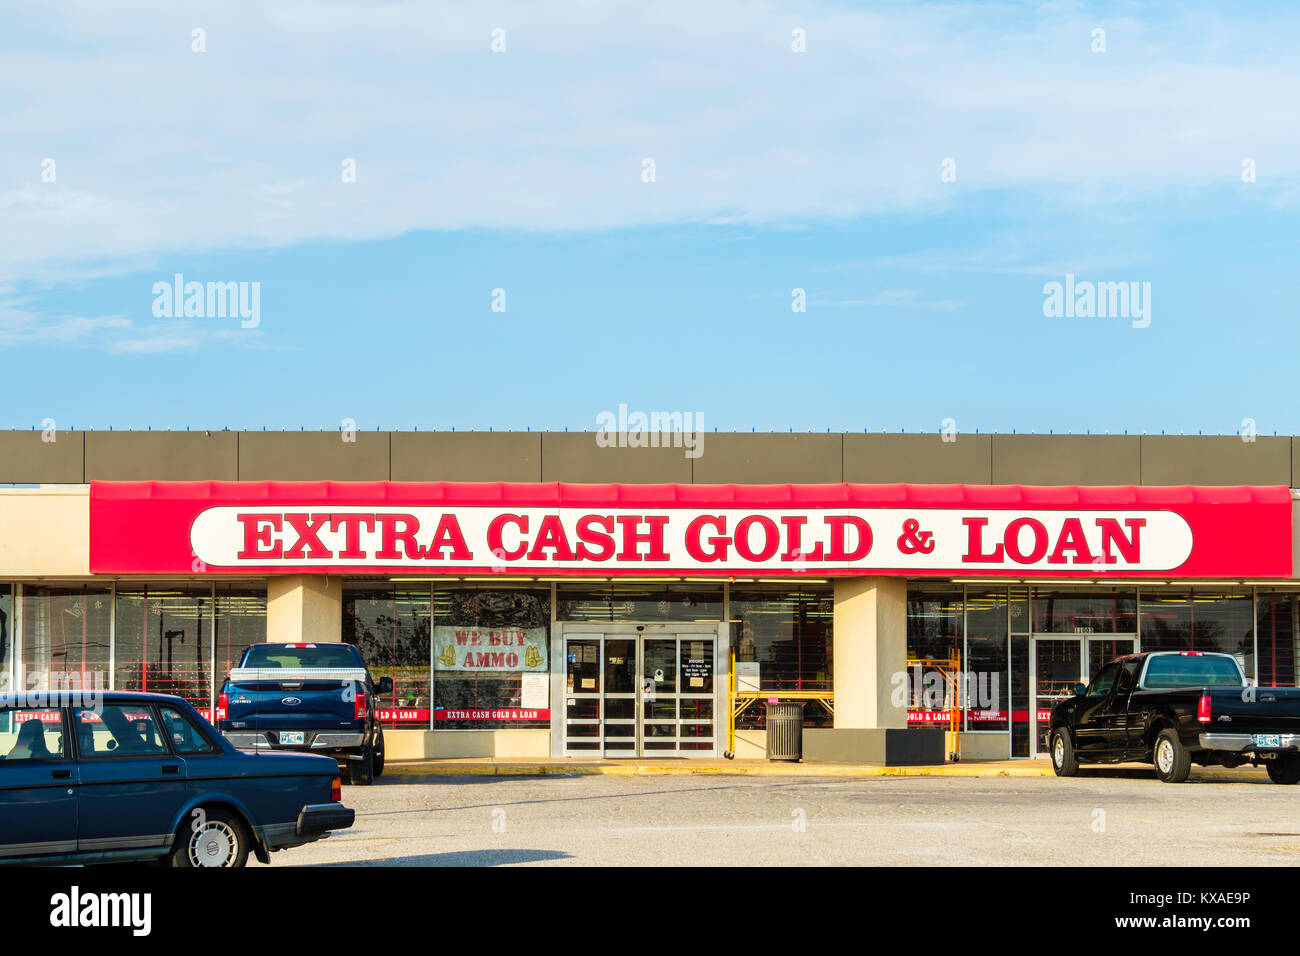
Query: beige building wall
{"points": [[501, 744], [45, 532], [304, 608], [870, 650]]}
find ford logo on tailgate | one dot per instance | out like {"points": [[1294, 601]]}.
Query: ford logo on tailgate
{"points": [[290, 701]]}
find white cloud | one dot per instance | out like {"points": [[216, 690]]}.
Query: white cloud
{"points": [[159, 149], [114, 334]]}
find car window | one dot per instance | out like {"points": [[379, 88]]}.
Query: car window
{"points": [[31, 734], [295, 656], [1104, 681], [117, 730], [1126, 674], [1191, 670], [185, 735]]}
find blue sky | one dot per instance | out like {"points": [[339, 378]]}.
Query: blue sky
{"points": [[774, 171]]}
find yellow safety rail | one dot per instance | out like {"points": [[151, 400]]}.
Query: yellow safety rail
{"points": [[739, 701], [949, 669]]}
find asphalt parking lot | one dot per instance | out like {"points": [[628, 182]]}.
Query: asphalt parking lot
{"points": [[1104, 818]]}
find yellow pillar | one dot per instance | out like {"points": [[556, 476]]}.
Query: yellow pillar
{"points": [[304, 607], [870, 651]]}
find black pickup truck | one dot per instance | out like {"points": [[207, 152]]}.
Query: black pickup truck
{"points": [[311, 697], [1173, 708]]}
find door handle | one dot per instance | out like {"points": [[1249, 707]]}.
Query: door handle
{"points": [[171, 768], [61, 774]]}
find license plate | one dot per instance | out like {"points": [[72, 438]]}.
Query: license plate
{"points": [[291, 737], [1268, 740]]}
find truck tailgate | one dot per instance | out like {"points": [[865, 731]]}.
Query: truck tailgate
{"points": [[1255, 710], [270, 699]]}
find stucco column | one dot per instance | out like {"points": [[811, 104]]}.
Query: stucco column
{"points": [[870, 648], [304, 607]]}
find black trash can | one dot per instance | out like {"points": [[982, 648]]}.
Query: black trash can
{"points": [[785, 731]]}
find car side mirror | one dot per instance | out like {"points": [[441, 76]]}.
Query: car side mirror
{"points": [[385, 685], [1080, 689]]}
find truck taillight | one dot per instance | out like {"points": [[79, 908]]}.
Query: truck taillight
{"points": [[361, 705], [336, 790], [223, 706], [1203, 709]]}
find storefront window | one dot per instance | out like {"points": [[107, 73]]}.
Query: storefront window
{"points": [[7, 681], [491, 654], [984, 671], [1196, 620], [1278, 638], [389, 624], [670, 601], [65, 637], [787, 633], [164, 641], [1094, 611], [241, 621], [934, 618]]}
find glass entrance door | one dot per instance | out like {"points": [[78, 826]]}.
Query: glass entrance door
{"points": [[643, 695], [1057, 667], [1058, 664]]}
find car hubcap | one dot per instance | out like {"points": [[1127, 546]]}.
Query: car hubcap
{"points": [[1165, 756], [214, 845], [1058, 751]]}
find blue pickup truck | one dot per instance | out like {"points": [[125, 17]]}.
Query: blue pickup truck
{"points": [[144, 777], [316, 698]]}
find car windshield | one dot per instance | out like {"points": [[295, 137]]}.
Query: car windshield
{"points": [[1179, 670], [268, 656]]}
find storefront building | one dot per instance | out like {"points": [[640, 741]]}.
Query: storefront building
{"points": [[621, 618]]}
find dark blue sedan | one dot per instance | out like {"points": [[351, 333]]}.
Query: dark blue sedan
{"points": [[144, 777]]}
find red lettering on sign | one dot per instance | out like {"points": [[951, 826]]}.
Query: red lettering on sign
{"points": [[1071, 539], [586, 536], [391, 534], [794, 540], [771, 538], [1012, 540], [255, 535], [551, 536], [654, 537], [719, 541], [308, 529], [974, 542], [1129, 547], [495, 544], [838, 525], [352, 525], [449, 537]]}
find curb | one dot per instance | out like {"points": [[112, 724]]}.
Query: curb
{"points": [[420, 769], [426, 769]]}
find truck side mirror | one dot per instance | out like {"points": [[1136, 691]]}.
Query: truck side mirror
{"points": [[385, 685], [1080, 689]]}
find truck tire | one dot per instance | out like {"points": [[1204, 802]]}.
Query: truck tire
{"points": [[1284, 769], [218, 838], [1172, 760], [1064, 762], [362, 772], [379, 753]]}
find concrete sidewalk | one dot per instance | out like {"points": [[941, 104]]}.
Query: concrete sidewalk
{"points": [[487, 766]]}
